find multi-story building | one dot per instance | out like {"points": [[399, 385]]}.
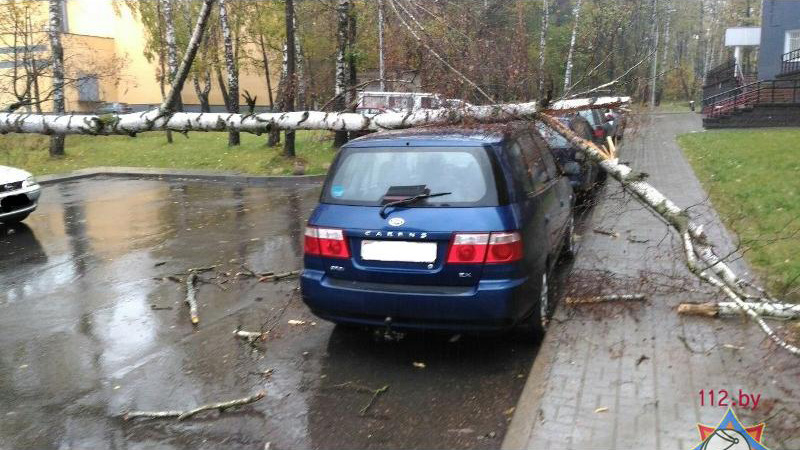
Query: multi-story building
{"points": [[734, 95], [104, 58]]}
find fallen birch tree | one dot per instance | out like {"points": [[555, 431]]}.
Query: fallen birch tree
{"points": [[701, 259], [159, 119], [698, 251]]}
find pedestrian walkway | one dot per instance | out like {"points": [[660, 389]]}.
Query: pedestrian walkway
{"points": [[629, 376]]}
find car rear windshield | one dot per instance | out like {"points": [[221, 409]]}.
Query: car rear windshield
{"points": [[362, 176], [554, 140]]}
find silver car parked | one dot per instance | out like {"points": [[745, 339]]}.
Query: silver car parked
{"points": [[19, 194]]}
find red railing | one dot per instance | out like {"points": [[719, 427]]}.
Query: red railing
{"points": [[758, 93]]}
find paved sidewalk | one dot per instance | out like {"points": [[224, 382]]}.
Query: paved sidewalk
{"points": [[644, 362]]}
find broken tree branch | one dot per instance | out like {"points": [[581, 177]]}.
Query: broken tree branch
{"points": [[605, 298], [358, 388], [764, 309], [183, 415], [394, 5], [278, 276], [191, 299], [251, 336]]}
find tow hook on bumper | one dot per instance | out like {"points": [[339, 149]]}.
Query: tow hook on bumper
{"points": [[387, 333]]}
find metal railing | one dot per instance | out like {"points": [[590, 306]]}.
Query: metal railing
{"points": [[721, 72], [758, 93], [790, 62]]}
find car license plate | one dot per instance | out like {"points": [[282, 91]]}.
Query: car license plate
{"points": [[398, 251]]}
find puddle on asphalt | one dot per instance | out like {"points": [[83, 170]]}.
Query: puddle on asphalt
{"points": [[81, 342]]}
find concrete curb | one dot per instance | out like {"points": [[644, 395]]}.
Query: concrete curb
{"points": [[526, 411], [178, 174]]}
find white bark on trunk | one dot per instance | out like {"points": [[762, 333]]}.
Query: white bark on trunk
{"points": [[57, 52], [667, 25], [172, 50], [169, 28], [543, 45], [300, 63], [654, 50], [381, 62], [300, 120], [341, 50], [56, 12], [231, 68], [230, 62], [576, 15], [787, 311]]}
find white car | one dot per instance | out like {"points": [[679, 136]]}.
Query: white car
{"points": [[19, 194]]}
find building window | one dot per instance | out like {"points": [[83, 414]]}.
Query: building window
{"points": [[792, 41], [88, 89]]}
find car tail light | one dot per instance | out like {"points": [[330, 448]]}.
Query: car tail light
{"points": [[311, 242], [599, 132], [328, 242], [504, 248], [468, 248], [491, 248]]}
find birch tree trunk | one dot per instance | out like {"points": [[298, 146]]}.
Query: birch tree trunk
{"points": [[667, 43], [57, 61], [265, 58], [204, 91], [381, 61], [576, 15], [543, 45], [155, 120], [291, 78], [654, 50], [340, 89], [275, 133], [300, 67], [231, 67], [172, 50]]}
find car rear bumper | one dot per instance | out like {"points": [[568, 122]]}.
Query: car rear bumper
{"points": [[18, 203], [490, 305]]}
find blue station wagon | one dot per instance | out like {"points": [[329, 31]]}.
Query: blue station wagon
{"points": [[439, 228]]}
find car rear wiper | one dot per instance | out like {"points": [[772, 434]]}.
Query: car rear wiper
{"points": [[409, 200]]}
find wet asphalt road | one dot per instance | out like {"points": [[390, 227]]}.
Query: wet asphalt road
{"points": [[81, 342]]}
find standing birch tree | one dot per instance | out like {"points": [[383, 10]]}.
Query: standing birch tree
{"points": [[576, 16], [231, 67], [56, 13], [291, 78], [381, 57], [172, 47], [654, 52], [340, 90], [543, 45]]}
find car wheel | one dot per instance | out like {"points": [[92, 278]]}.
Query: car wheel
{"points": [[536, 324], [570, 245]]}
